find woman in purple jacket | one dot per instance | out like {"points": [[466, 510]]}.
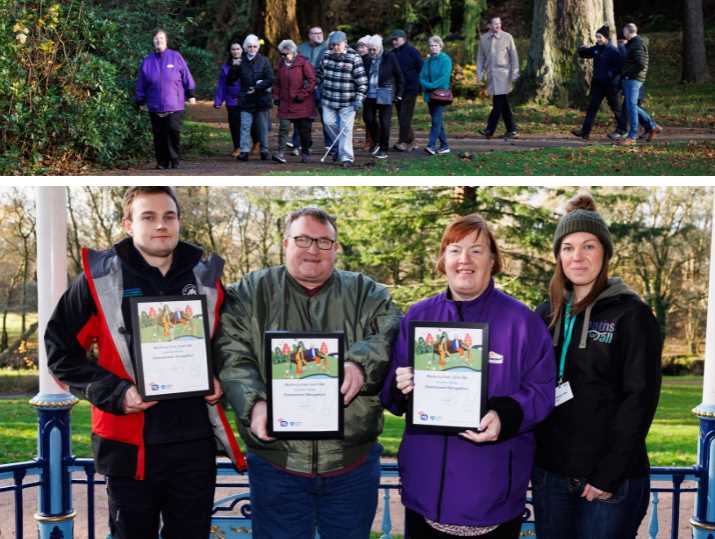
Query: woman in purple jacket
{"points": [[227, 90], [474, 483], [163, 83]]}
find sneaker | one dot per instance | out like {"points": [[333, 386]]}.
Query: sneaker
{"points": [[347, 164], [412, 147], [243, 156], [626, 141], [296, 151], [400, 147], [654, 133], [579, 133], [444, 149], [290, 145], [380, 154], [374, 149], [485, 133], [236, 152], [510, 134], [430, 151], [278, 158], [616, 135], [265, 156]]}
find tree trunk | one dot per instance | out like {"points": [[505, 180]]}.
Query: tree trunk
{"points": [[695, 65], [444, 13], [280, 22], [554, 73], [470, 28]]}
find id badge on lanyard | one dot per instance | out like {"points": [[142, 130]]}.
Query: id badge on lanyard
{"points": [[563, 388]]}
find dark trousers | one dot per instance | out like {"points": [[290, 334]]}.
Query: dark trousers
{"points": [[167, 136], [418, 528], [301, 129], [600, 91], [377, 122], [178, 487], [405, 110], [234, 124], [500, 109]]}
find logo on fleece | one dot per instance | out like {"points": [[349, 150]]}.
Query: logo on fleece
{"points": [[495, 358], [601, 331]]}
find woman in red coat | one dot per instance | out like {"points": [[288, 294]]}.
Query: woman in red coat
{"points": [[293, 87]]}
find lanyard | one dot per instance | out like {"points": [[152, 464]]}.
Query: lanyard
{"points": [[569, 322]]}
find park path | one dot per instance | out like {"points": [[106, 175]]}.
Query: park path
{"points": [[225, 165]]}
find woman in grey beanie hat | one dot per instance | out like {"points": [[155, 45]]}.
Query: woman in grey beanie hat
{"points": [[591, 473]]}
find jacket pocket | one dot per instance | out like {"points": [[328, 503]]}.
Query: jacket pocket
{"points": [[114, 458]]}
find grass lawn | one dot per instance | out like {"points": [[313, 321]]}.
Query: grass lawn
{"points": [[672, 440], [695, 158]]}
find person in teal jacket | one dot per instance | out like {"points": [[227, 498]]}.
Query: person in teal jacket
{"points": [[436, 74]]}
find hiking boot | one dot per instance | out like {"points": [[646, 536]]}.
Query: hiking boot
{"points": [[443, 150], [256, 148], [400, 147], [626, 141], [380, 154], [236, 152], [654, 133], [278, 158], [430, 151], [243, 156], [510, 134], [485, 133], [579, 133]]}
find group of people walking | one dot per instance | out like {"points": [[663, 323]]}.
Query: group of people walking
{"points": [[572, 386], [333, 82]]}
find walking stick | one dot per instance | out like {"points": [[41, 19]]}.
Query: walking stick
{"points": [[322, 159]]}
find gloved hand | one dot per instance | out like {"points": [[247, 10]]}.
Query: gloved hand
{"points": [[357, 106]]}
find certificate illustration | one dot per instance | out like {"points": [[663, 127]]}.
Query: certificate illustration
{"points": [[450, 375], [170, 336], [304, 375]]}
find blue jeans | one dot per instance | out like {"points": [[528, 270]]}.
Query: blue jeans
{"points": [[560, 512], [436, 112], [263, 122], [287, 506], [631, 89], [335, 120]]}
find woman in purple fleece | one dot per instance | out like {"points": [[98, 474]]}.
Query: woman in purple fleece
{"points": [[474, 483]]}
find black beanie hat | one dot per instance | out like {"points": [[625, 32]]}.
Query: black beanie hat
{"points": [[605, 31], [581, 216]]}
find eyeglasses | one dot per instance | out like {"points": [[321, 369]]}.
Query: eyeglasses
{"points": [[316, 33], [305, 242], [251, 46]]}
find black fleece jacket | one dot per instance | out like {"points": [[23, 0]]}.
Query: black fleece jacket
{"points": [[600, 434]]}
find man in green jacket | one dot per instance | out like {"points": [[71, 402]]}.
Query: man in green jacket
{"points": [[298, 486]]}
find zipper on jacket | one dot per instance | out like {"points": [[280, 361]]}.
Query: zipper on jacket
{"points": [[441, 482], [508, 490]]}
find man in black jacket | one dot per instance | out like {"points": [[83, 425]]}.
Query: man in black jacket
{"points": [[159, 457], [633, 75], [410, 62]]}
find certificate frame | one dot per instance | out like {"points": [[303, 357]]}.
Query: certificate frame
{"points": [[189, 326], [418, 358], [275, 372]]}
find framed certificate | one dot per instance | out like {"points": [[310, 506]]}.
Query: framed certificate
{"points": [[450, 361], [304, 372], [170, 336]]}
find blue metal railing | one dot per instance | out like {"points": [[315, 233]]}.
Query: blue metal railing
{"points": [[228, 524]]}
